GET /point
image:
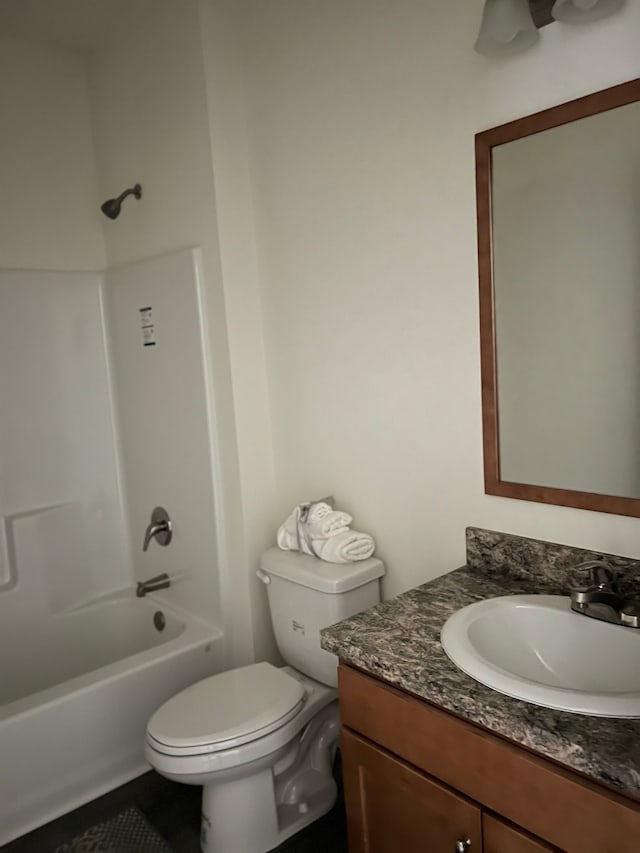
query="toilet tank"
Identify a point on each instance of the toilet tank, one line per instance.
(307, 594)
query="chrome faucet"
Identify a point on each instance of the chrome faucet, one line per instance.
(601, 575)
(600, 598)
(158, 582)
(159, 528)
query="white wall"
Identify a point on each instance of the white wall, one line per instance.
(239, 266)
(360, 121)
(151, 125)
(49, 216)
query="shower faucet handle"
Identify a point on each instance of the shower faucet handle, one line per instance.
(159, 528)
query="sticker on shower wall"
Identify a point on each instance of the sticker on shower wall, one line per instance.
(147, 327)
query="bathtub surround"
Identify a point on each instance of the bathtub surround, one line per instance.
(164, 428)
(399, 641)
(49, 551)
(99, 428)
(60, 496)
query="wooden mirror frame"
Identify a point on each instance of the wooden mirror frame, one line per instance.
(599, 102)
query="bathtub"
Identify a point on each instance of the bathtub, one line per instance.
(75, 699)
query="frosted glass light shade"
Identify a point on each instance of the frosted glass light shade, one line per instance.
(507, 27)
(579, 11)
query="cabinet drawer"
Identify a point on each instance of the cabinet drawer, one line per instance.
(555, 804)
(391, 807)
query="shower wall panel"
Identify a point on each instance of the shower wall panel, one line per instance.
(158, 338)
(58, 462)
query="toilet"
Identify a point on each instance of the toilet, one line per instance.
(261, 739)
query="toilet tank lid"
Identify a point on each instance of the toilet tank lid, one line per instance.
(313, 573)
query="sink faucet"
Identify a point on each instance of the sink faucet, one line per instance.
(158, 582)
(601, 575)
(600, 598)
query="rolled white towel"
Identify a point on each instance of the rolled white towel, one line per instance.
(294, 535)
(288, 538)
(287, 541)
(346, 547)
(305, 543)
(323, 521)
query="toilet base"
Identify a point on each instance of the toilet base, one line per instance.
(293, 818)
(255, 813)
(239, 815)
(242, 816)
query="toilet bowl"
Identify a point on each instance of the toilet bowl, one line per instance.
(261, 781)
(261, 739)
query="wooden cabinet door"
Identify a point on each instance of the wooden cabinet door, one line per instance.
(500, 837)
(392, 808)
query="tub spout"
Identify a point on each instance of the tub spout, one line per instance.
(158, 582)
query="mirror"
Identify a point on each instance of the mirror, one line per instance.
(558, 202)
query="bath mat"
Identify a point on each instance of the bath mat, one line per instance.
(127, 832)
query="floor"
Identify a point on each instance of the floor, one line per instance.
(174, 810)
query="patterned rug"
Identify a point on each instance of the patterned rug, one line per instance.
(127, 832)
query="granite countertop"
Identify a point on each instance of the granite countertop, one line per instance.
(398, 641)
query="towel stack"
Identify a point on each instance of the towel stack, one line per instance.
(315, 528)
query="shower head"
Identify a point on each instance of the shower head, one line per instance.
(111, 207)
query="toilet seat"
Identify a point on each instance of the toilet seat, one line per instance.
(225, 711)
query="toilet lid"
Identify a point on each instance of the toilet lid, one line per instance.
(226, 710)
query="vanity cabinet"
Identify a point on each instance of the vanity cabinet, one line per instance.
(418, 778)
(393, 807)
(500, 837)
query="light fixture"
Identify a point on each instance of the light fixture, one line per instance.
(579, 11)
(507, 27)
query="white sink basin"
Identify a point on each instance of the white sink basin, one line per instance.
(534, 647)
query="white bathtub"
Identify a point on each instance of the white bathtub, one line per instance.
(75, 700)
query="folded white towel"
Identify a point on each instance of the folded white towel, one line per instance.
(293, 535)
(318, 530)
(323, 521)
(346, 547)
(288, 532)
